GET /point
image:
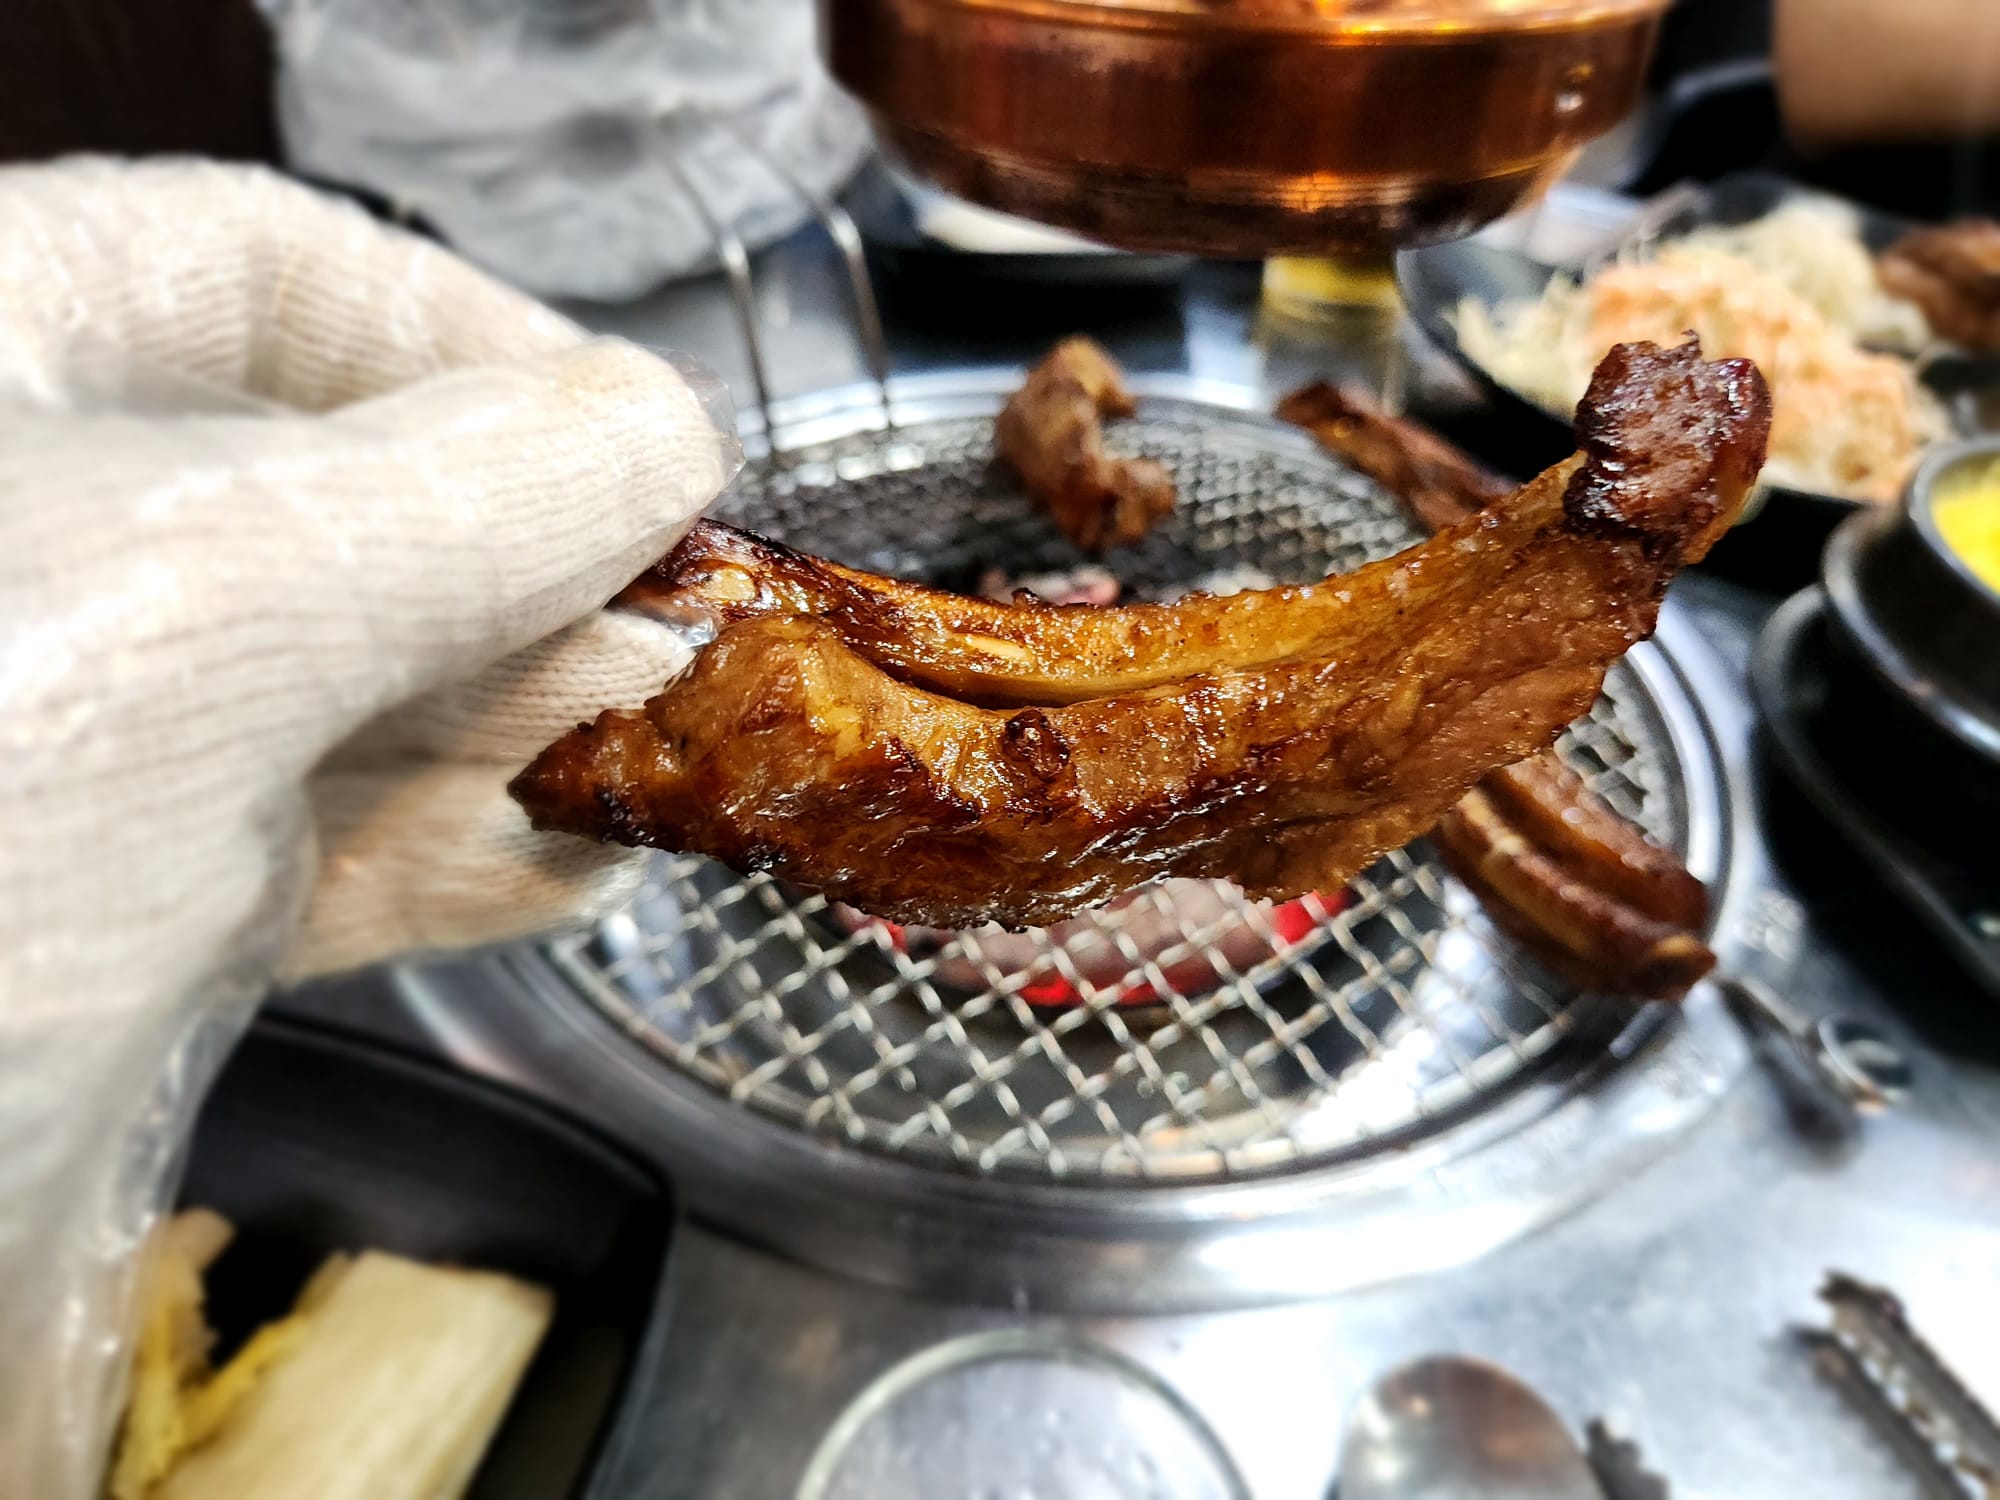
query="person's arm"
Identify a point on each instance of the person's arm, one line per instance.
(1854, 71)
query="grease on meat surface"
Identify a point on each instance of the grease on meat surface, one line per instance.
(947, 786)
(1167, 937)
(1025, 652)
(1052, 433)
(1552, 864)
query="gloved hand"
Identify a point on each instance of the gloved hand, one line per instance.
(304, 527)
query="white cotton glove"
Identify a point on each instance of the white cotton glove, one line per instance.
(304, 527)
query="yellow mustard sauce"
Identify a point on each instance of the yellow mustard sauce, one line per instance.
(1967, 511)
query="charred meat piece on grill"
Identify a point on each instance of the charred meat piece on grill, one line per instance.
(1952, 272)
(1052, 433)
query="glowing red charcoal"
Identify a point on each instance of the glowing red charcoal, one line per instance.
(1194, 933)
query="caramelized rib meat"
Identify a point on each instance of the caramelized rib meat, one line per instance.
(1952, 272)
(1552, 864)
(1558, 901)
(1052, 432)
(1031, 652)
(783, 749)
(1436, 482)
(1710, 444)
(1550, 807)
(804, 745)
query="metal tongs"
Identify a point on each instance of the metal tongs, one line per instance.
(1839, 1060)
(1906, 1392)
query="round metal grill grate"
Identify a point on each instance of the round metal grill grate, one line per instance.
(1214, 1037)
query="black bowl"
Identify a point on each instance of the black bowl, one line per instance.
(1903, 794)
(315, 1140)
(1905, 605)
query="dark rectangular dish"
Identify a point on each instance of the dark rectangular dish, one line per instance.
(316, 1140)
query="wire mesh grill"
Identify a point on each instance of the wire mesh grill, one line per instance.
(1208, 1036)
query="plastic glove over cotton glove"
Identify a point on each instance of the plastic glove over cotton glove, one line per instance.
(304, 527)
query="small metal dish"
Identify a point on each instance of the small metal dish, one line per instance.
(1914, 611)
(1243, 127)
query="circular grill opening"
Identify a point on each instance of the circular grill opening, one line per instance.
(1211, 1037)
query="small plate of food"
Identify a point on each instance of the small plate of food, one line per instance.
(386, 1279)
(1872, 332)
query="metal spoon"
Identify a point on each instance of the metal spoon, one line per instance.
(1448, 1428)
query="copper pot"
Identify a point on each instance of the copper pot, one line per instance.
(1244, 127)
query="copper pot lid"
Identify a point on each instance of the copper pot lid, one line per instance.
(1341, 16)
(1244, 127)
